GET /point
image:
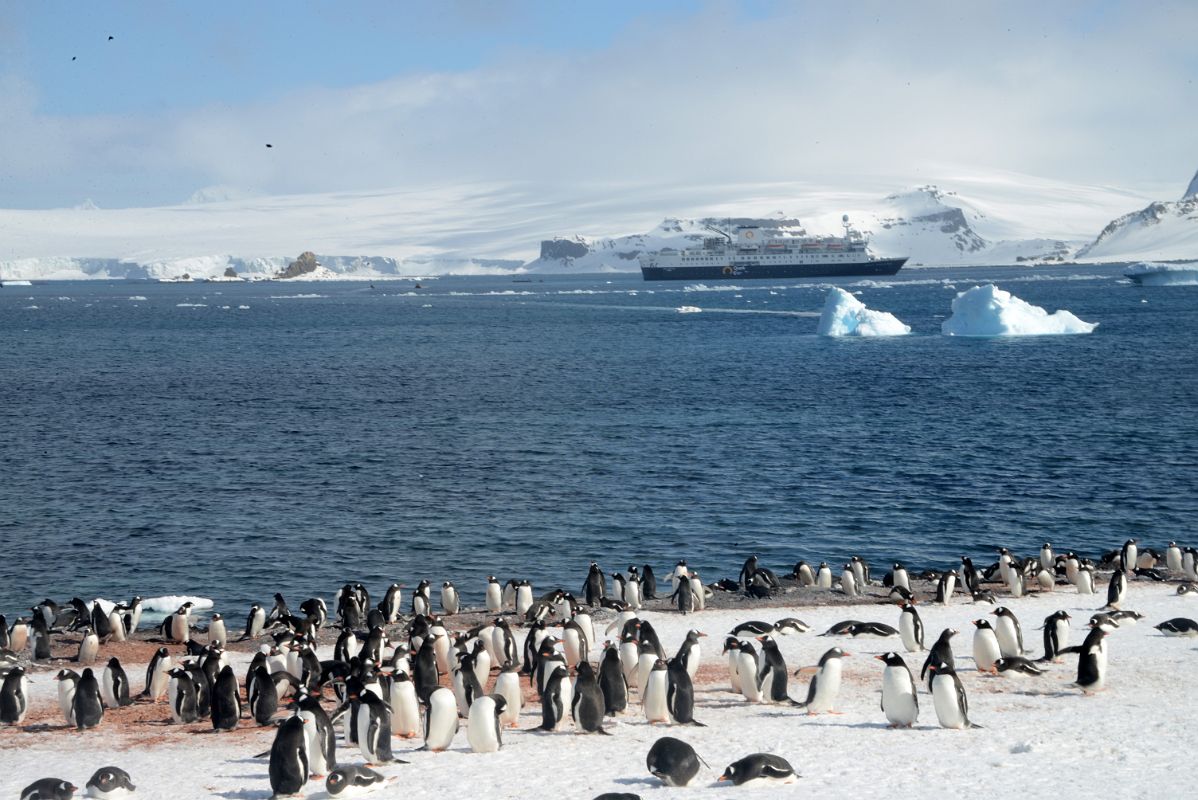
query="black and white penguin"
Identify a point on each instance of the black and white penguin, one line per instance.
(14, 697)
(255, 622)
(969, 575)
(772, 672)
(842, 628)
(899, 577)
(684, 596)
(49, 789)
(1116, 590)
(911, 628)
(1018, 666)
(156, 674)
(748, 671)
(217, 634)
(672, 761)
(789, 625)
(374, 729)
(986, 649)
(879, 629)
(226, 702)
(824, 688)
(262, 695)
(1056, 635)
(1178, 626)
(848, 581)
(680, 694)
(181, 696)
(67, 681)
(941, 653)
(945, 585)
(689, 653)
(1129, 555)
(109, 783)
(289, 758)
(556, 699)
(589, 704)
(89, 647)
(177, 627)
(594, 588)
(759, 769)
(654, 688)
(648, 583)
(345, 781)
(1173, 558)
(823, 576)
(450, 601)
(753, 626)
(39, 636)
(88, 705)
(319, 736)
(1092, 661)
(440, 720)
(948, 698)
(803, 573)
(900, 701)
(1009, 633)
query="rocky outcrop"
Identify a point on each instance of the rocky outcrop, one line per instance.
(564, 248)
(301, 266)
(1192, 190)
(230, 272)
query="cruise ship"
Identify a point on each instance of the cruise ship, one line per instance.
(750, 254)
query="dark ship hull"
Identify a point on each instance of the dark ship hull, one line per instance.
(753, 271)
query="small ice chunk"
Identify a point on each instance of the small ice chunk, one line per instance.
(689, 309)
(989, 311)
(169, 604)
(845, 315)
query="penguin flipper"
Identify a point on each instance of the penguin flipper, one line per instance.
(696, 723)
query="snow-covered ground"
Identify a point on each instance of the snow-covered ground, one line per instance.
(1040, 737)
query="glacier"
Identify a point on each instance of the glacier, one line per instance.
(1148, 273)
(989, 311)
(845, 315)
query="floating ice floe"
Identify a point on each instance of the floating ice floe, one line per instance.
(989, 311)
(137, 297)
(1149, 273)
(845, 315)
(689, 309)
(169, 604)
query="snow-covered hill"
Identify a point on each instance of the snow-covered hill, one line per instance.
(1162, 231)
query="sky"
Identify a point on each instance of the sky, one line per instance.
(364, 96)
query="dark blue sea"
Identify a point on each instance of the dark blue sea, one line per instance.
(231, 440)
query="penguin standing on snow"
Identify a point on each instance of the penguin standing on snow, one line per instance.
(1116, 590)
(88, 706)
(1010, 635)
(986, 650)
(689, 653)
(1091, 665)
(1056, 635)
(772, 674)
(67, 681)
(941, 653)
(900, 701)
(911, 628)
(612, 681)
(14, 697)
(181, 696)
(556, 699)
(319, 737)
(588, 704)
(1129, 556)
(680, 694)
(748, 670)
(824, 688)
(289, 758)
(483, 729)
(594, 589)
(654, 700)
(948, 698)
(156, 674)
(440, 719)
(374, 729)
(226, 702)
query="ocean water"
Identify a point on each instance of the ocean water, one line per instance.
(229, 440)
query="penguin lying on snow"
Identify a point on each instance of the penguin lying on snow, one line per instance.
(109, 783)
(759, 769)
(48, 789)
(672, 761)
(345, 779)
(1017, 665)
(1178, 626)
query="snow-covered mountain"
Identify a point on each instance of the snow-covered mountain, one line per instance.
(1162, 231)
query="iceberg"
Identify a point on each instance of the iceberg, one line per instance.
(1149, 273)
(989, 311)
(169, 604)
(845, 315)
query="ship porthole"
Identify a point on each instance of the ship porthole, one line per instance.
(727, 270)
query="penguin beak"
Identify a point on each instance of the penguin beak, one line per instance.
(845, 655)
(879, 658)
(721, 779)
(703, 635)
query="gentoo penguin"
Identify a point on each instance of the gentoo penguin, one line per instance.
(941, 653)
(699, 591)
(594, 587)
(753, 626)
(684, 596)
(900, 701)
(181, 696)
(899, 577)
(507, 685)
(1046, 580)
(39, 637)
(494, 595)
(374, 729)
(440, 720)
(672, 761)
(654, 701)
(948, 698)
(88, 706)
(262, 696)
(108, 783)
(405, 707)
(588, 706)
(48, 789)
(449, 599)
(133, 615)
(556, 699)
(841, 628)
(945, 585)
(689, 653)
(89, 647)
(289, 758)
(344, 781)
(1084, 581)
(67, 681)
(879, 629)
(1173, 557)
(911, 628)
(523, 598)
(1187, 590)
(1018, 666)
(1178, 626)
(648, 583)
(255, 622)
(772, 673)
(19, 633)
(421, 602)
(1129, 556)
(789, 625)
(823, 576)
(1116, 590)
(612, 681)
(825, 683)
(392, 603)
(216, 631)
(969, 575)
(1008, 631)
(618, 585)
(177, 627)
(748, 672)
(226, 702)
(848, 581)
(680, 694)
(632, 590)
(1056, 635)
(1091, 665)
(319, 737)
(1047, 559)
(759, 769)
(803, 573)
(986, 649)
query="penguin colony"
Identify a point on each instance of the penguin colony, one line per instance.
(411, 676)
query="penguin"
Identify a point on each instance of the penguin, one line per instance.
(156, 674)
(177, 627)
(945, 586)
(1178, 626)
(1045, 579)
(1009, 633)
(108, 783)
(1173, 558)
(848, 581)
(911, 628)
(654, 701)
(753, 626)
(618, 585)
(789, 625)
(941, 653)
(133, 615)
(680, 694)
(262, 696)
(344, 780)
(181, 696)
(101, 622)
(1091, 665)
(449, 599)
(440, 720)
(879, 629)
(1129, 556)
(632, 589)
(216, 631)
(374, 729)
(67, 681)
(507, 685)
(986, 648)
(612, 681)
(39, 637)
(1018, 666)
(699, 591)
(672, 761)
(841, 628)
(88, 708)
(1117, 588)
(574, 643)
(825, 683)
(772, 673)
(226, 703)
(630, 657)
(255, 622)
(588, 704)
(823, 576)
(648, 583)
(948, 698)
(320, 740)
(1056, 635)
(556, 699)
(593, 589)
(48, 789)
(900, 701)
(494, 595)
(289, 758)
(523, 598)
(1084, 581)
(392, 603)
(405, 706)
(689, 653)
(748, 672)
(759, 769)
(969, 575)
(1047, 559)
(684, 596)
(900, 578)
